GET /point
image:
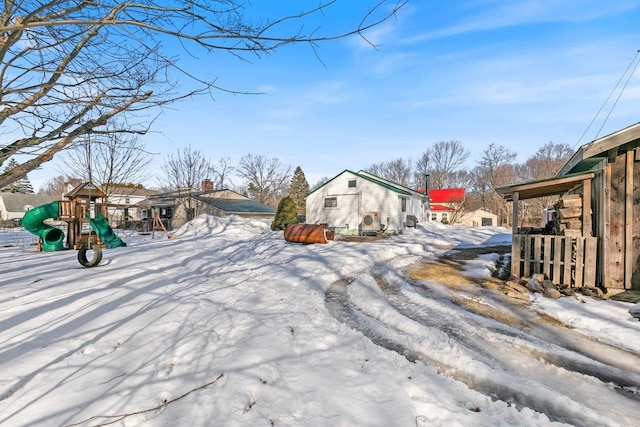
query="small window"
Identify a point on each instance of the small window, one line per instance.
(403, 204)
(444, 216)
(331, 202)
(434, 216)
(351, 183)
(127, 200)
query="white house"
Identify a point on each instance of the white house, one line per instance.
(126, 202)
(13, 206)
(360, 203)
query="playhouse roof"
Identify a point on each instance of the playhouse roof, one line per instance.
(85, 189)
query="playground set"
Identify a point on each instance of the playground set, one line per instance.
(88, 230)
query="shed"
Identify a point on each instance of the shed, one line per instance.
(478, 218)
(604, 175)
(361, 203)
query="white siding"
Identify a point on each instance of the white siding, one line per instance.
(353, 202)
(347, 210)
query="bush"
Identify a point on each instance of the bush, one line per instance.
(285, 214)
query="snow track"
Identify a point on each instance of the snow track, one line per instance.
(323, 335)
(530, 363)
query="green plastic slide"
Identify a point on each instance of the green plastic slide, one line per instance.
(105, 233)
(33, 222)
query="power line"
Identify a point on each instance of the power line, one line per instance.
(634, 60)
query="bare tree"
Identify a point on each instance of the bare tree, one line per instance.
(184, 172)
(446, 158)
(443, 163)
(422, 168)
(397, 170)
(109, 160)
(545, 163)
(548, 160)
(220, 172)
(58, 186)
(322, 181)
(267, 179)
(69, 68)
(495, 168)
(460, 179)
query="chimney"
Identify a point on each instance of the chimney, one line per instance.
(207, 185)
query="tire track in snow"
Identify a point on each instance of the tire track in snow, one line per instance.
(518, 366)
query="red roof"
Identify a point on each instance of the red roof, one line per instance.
(447, 195)
(441, 208)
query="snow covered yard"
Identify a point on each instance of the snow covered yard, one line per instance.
(227, 324)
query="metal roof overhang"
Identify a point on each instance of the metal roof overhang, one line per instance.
(590, 154)
(545, 187)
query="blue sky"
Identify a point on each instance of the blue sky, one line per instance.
(513, 73)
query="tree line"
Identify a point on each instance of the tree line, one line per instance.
(445, 165)
(112, 163)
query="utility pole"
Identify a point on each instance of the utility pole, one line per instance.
(427, 202)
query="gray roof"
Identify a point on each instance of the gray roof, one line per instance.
(231, 206)
(16, 202)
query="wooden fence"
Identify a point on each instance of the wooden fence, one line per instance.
(562, 259)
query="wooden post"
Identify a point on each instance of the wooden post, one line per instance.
(157, 221)
(516, 247)
(606, 236)
(516, 207)
(546, 241)
(586, 209)
(628, 220)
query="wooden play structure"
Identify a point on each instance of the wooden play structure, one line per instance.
(88, 230)
(77, 212)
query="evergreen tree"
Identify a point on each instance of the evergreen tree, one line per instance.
(285, 214)
(298, 190)
(23, 185)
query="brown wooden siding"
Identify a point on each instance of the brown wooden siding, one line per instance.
(635, 275)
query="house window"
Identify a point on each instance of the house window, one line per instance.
(331, 202)
(444, 217)
(434, 216)
(351, 183)
(127, 201)
(403, 204)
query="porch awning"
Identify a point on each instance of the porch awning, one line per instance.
(544, 187)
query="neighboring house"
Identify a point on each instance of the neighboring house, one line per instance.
(478, 218)
(360, 203)
(171, 207)
(599, 189)
(445, 205)
(127, 203)
(13, 206)
(227, 202)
